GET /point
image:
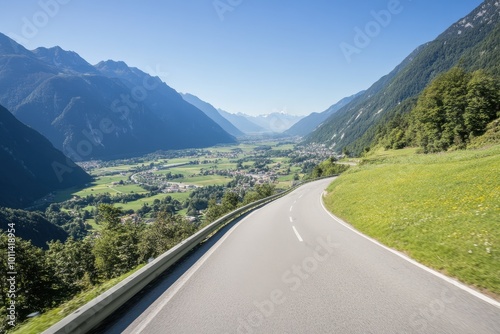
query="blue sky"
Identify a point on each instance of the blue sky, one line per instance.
(250, 56)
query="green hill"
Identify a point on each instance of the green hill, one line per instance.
(32, 226)
(454, 110)
(441, 209)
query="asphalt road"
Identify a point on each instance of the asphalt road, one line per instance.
(290, 267)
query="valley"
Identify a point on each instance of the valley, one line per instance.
(139, 185)
(205, 159)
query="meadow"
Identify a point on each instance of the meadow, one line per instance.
(441, 209)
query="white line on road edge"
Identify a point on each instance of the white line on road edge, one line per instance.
(418, 264)
(297, 234)
(172, 291)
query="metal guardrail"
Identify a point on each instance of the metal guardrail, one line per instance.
(97, 310)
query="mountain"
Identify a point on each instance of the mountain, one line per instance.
(32, 226)
(66, 61)
(103, 111)
(307, 125)
(213, 113)
(242, 123)
(31, 167)
(472, 42)
(277, 122)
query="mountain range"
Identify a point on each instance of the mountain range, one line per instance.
(471, 43)
(31, 167)
(241, 124)
(213, 113)
(309, 123)
(276, 122)
(103, 111)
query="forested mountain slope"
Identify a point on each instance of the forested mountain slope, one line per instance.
(472, 42)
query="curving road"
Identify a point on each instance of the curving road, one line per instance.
(290, 267)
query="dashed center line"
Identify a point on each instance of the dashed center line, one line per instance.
(297, 234)
(291, 220)
(291, 208)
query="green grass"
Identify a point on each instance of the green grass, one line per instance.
(286, 178)
(441, 209)
(51, 317)
(95, 190)
(135, 205)
(283, 185)
(110, 179)
(95, 226)
(205, 180)
(66, 194)
(179, 161)
(128, 188)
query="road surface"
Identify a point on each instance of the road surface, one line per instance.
(290, 267)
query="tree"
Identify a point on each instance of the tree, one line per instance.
(33, 282)
(455, 107)
(483, 103)
(109, 216)
(116, 247)
(265, 190)
(214, 211)
(166, 232)
(73, 264)
(230, 201)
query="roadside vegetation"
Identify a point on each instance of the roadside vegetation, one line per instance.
(455, 110)
(429, 186)
(102, 233)
(47, 278)
(441, 209)
(177, 182)
(328, 167)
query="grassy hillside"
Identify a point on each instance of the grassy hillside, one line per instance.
(441, 209)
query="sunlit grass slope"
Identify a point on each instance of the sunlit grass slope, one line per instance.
(441, 209)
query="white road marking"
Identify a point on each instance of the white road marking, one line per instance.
(291, 208)
(421, 266)
(297, 234)
(185, 278)
(291, 220)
